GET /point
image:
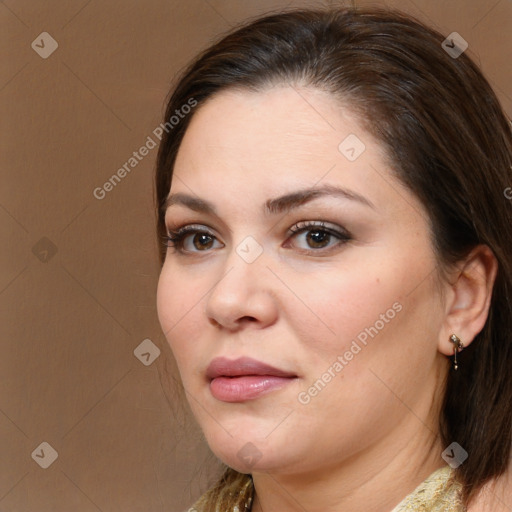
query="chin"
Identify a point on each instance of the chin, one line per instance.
(246, 453)
(249, 458)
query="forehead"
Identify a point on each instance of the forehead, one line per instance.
(243, 146)
(274, 129)
(278, 125)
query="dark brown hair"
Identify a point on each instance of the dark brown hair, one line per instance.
(447, 140)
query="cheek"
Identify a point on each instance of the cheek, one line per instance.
(377, 322)
(342, 305)
(166, 301)
(178, 304)
(383, 304)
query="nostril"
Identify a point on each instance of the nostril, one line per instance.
(247, 319)
(214, 322)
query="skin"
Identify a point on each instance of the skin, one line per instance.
(495, 496)
(370, 436)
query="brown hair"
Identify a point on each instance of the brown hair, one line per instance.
(447, 140)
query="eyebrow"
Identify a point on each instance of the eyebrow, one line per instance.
(274, 206)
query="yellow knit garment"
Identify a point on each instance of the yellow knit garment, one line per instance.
(440, 492)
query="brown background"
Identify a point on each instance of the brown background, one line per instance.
(71, 319)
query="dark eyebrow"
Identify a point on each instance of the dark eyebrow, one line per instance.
(274, 206)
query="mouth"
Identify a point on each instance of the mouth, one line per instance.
(244, 379)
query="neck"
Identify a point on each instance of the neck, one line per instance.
(495, 496)
(375, 480)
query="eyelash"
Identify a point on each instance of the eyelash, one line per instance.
(175, 239)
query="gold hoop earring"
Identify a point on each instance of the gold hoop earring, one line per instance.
(457, 347)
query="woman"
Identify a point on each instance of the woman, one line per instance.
(336, 274)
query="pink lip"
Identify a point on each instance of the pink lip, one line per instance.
(244, 378)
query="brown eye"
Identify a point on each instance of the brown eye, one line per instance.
(319, 236)
(201, 240)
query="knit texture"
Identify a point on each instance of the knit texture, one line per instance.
(440, 492)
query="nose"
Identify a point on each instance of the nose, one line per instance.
(244, 295)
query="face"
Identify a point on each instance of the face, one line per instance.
(331, 294)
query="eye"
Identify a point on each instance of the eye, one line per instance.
(196, 238)
(319, 235)
(186, 238)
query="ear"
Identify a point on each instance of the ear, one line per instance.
(468, 297)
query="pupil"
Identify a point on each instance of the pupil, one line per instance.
(202, 238)
(318, 237)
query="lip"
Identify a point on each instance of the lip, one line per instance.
(238, 380)
(224, 367)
